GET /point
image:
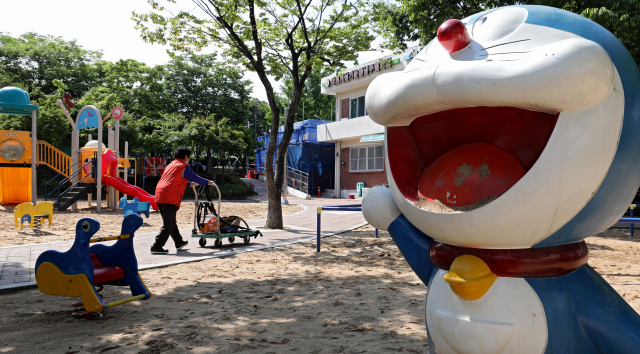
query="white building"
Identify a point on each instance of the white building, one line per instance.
(358, 140)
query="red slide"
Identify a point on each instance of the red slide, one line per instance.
(109, 166)
(126, 188)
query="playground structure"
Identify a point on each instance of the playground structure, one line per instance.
(81, 169)
(17, 156)
(34, 215)
(134, 207)
(207, 222)
(15, 152)
(83, 271)
(109, 174)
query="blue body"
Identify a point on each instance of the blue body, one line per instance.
(584, 313)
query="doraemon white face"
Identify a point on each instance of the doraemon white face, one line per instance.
(526, 114)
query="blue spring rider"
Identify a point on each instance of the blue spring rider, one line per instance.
(134, 207)
(81, 269)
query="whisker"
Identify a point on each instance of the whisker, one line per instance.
(505, 53)
(497, 45)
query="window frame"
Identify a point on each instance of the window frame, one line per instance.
(366, 158)
(357, 106)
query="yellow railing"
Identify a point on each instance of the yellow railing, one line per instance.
(50, 156)
(123, 164)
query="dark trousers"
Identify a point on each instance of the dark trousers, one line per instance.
(169, 226)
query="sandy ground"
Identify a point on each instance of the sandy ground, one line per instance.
(64, 222)
(356, 296)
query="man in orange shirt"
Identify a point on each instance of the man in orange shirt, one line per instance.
(169, 192)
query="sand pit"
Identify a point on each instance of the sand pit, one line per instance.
(64, 222)
(358, 295)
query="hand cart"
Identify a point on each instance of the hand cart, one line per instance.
(207, 223)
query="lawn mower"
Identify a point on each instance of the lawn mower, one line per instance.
(207, 223)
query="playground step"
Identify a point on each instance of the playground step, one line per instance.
(75, 193)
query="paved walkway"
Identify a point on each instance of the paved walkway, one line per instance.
(17, 263)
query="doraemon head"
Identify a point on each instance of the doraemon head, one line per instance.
(522, 123)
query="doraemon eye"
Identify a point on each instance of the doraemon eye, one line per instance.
(498, 24)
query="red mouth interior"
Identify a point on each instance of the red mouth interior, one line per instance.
(470, 153)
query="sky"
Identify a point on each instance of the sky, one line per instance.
(104, 25)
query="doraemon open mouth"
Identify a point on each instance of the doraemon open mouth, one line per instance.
(466, 157)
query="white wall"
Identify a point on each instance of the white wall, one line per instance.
(348, 129)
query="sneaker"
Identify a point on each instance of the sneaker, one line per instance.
(182, 245)
(158, 250)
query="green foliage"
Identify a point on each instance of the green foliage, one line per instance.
(620, 17)
(307, 32)
(316, 105)
(262, 113)
(33, 62)
(218, 135)
(420, 19)
(232, 187)
(199, 84)
(159, 102)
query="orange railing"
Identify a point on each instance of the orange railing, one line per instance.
(50, 156)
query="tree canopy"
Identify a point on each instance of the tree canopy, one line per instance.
(414, 20)
(34, 61)
(164, 105)
(273, 38)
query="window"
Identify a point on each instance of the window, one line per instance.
(368, 158)
(357, 107)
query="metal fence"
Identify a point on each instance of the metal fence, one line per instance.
(297, 179)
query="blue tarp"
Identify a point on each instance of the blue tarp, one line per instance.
(305, 153)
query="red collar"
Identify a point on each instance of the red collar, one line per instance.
(543, 262)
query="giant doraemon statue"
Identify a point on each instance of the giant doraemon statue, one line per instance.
(510, 139)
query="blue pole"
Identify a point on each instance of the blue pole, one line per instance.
(319, 210)
(376, 233)
(631, 215)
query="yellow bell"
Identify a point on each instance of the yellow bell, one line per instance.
(469, 277)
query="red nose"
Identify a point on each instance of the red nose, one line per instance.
(453, 35)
